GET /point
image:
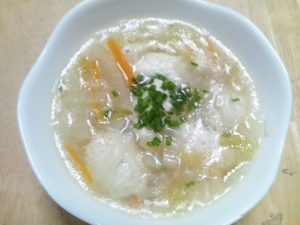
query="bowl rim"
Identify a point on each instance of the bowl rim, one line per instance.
(69, 18)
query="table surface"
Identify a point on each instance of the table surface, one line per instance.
(25, 26)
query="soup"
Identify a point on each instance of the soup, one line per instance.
(156, 117)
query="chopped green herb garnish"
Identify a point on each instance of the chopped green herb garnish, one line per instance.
(168, 141)
(115, 93)
(189, 184)
(150, 102)
(140, 78)
(194, 64)
(174, 123)
(168, 85)
(235, 99)
(155, 142)
(60, 88)
(136, 91)
(107, 113)
(183, 119)
(205, 91)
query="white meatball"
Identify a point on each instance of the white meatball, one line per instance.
(113, 161)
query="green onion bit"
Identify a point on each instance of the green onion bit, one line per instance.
(155, 142)
(107, 113)
(194, 64)
(168, 141)
(115, 93)
(150, 99)
(192, 183)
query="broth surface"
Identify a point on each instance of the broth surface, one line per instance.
(198, 145)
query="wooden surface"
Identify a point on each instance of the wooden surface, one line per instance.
(25, 26)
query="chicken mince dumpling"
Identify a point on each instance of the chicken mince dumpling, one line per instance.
(115, 165)
(156, 118)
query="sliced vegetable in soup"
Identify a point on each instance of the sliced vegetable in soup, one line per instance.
(156, 117)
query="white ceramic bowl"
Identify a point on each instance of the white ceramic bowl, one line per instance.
(268, 73)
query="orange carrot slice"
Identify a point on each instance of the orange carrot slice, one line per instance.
(121, 60)
(86, 174)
